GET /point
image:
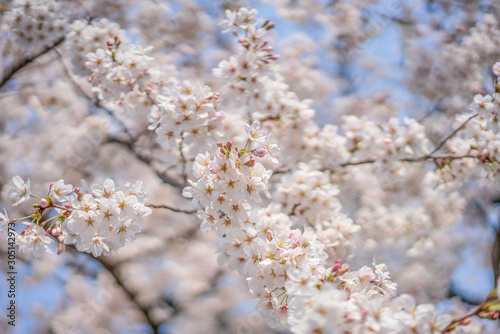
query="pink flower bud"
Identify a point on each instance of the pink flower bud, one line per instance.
(56, 231)
(269, 235)
(260, 152)
(342, 271)
(337, 265)
(44, 203)
(60, 248)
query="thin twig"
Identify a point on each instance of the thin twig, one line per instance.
(442, 142)
(161, 206)
(418, 159)
(427, 156)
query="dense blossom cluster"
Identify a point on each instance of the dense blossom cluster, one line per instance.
(229, 182)
(186, 119)
(36, 23)
(97, 222)
(309, 196)
(84, 38)
(286, 268)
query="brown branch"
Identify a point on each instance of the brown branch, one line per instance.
(481, 311)
(148, 161)
(113, 270)
(161, 206)
(428, 156)
(456, 322)
(10, 72)
(418, 159)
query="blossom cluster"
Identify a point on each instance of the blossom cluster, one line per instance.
(100, 221)
(103, 220)
(229, 182)
(121, 77)
(287, 271)
(312, 200)
(190, 115)
(84, 38)
(333, 310)
(246, 72)
(36, 23)
(264, 251)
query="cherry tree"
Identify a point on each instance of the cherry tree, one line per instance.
(249, 166)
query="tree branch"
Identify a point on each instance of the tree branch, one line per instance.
(442, 142)
(161, 206)
(133, 296)
(148, 160)
(487, 310)
(428, 156)
(10, 72)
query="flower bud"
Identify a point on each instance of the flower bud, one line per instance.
(337, 265)
(44, 203)
(56, 231)
(260, 152)
(60, 248)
